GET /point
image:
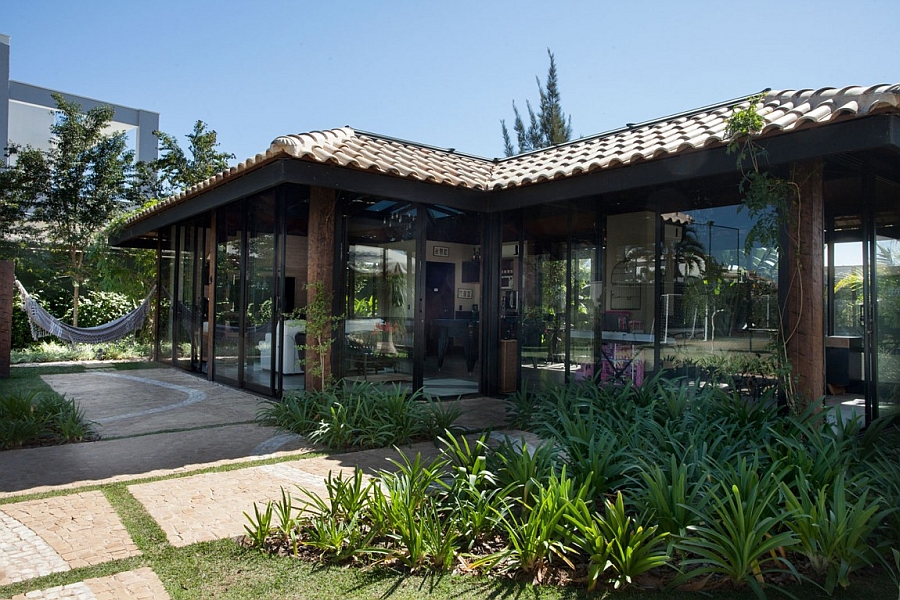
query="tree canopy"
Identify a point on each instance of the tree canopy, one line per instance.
(68, 193)
(548, 127)
(174, 170)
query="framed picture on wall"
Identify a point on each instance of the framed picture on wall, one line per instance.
(441, 251)
(464, 293)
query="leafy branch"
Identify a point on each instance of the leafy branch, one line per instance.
(767, 198)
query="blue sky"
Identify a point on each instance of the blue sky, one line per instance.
(440, 73)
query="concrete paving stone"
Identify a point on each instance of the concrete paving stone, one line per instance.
(124, 403)
(211, 506)
(140, 583)
(80, 530)
(207, 506)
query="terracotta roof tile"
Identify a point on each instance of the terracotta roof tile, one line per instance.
(783, 111)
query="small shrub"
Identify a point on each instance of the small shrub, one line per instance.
(741, 531)
(40, 419)
(832, 530)
(359, 415)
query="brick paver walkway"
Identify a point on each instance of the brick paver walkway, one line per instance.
(140, 584)
(58, 534)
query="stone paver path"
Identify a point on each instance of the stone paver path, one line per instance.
(58, 534)
(140, 584)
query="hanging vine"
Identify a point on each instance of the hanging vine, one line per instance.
(768, 199)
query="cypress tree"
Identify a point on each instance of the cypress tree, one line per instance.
(549, 126)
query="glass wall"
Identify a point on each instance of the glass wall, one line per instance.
(720, 298)
(544, 295)
(229, 298)
(190, 305)
(627, 324)
(453, 301)
(260, 284)
(377, 340)
(589, 297)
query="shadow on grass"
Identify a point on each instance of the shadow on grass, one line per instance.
(457, 586)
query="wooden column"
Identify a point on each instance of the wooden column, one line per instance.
(804, 319)
(7, 287)
(320, 261)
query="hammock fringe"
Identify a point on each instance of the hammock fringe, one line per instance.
(44, 324)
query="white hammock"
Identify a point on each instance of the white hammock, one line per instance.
(44, 324)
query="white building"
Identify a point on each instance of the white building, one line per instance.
(26, 113)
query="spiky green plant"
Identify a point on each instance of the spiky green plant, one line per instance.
(832, 529)
(740, 534)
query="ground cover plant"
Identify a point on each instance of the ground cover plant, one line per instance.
(37, 419)
(359, 415)
(668, 486)
(33, 414)
(52, 350)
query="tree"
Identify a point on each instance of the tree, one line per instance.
(75, 187)
(548, 127)
(174, 171)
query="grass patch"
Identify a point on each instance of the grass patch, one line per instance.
(144, 531)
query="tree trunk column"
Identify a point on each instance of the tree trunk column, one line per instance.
(7, 285)
(804, 319)
(320, 257)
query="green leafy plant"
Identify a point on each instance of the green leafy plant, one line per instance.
(359, 415)
(347, 498)
(286, 528)
(667, 494)
(260, 525)
(832, 530)
(739, 533)
(588, 536)
(37, 419)
(537, 536)
(521, 469)
(632, 547)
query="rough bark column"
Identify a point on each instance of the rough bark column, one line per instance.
(320, 257)
(804, 319)
(7, 285)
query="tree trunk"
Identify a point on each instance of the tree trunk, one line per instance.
(322, 214)
(804, 321)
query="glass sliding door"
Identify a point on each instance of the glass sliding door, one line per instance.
(294, 249)
(544, 296)
(862, 346)
(378, 338)
(260, 286)
(585, 290)
(190, 305)
(886, 263)
(229, 296)
(453, 301)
